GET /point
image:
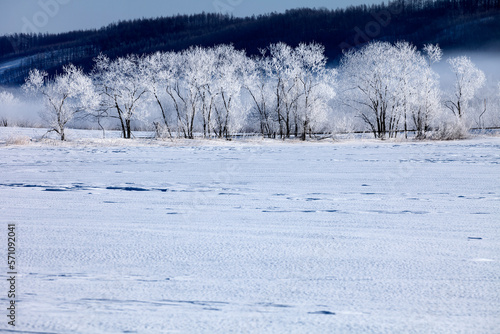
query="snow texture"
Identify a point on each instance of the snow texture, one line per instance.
(255, 237)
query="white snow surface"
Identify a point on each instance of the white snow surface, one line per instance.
(254, 237)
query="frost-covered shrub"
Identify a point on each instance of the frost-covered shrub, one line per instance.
(162, 131)
(344, 125)
(18, 112)
(7, 100)
(18, 140)
(451, 129)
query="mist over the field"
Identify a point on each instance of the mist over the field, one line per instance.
(18, 109)
(489, 94)
(488, 62)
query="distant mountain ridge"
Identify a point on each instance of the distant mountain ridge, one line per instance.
(464, 24)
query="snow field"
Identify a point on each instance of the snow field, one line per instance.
(248, 237)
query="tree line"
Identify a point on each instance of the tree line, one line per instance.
(285, 92)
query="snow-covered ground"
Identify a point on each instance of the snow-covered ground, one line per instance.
(261, 237)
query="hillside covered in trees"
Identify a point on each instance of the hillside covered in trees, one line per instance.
(464, 24)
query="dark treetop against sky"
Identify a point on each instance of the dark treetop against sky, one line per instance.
(55, 16)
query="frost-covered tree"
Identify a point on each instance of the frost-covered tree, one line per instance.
(369, 83)
(434, 53)
(198, 73)
(484, 109)
(428, 99)
(291, 89)
(227, 83)
(468, 80)
(122, 86)
(315, 87)
(160, 73)
(406, 68)
(207, 93)
(202, 86)
(282, 69)
(256, 82)
(390, 85)
(193, 75)
(64, 95)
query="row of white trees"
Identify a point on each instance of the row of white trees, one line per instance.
(286, 92)
(394, 87)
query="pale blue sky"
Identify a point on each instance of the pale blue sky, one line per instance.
(65, 15)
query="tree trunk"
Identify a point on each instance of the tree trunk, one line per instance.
(303, 137)
(124, 132)
(406, 127)
(165, 120)
(128, 128)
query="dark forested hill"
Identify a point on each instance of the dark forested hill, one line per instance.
(465, 24)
